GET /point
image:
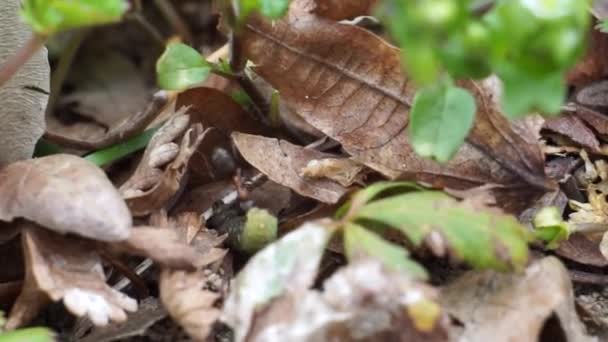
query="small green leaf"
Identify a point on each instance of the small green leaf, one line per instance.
(550, 227)
(440, 120)
(116, 152)
(181, 67)
(37, 334)
(260, 229)
(51, 16)
(482, 239)
(273, 9)
(361, 243)
(363, 196)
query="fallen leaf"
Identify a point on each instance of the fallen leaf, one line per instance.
(66, 194)
(349, 84)
(60, 268)
(361, 302)
(593, 66)
(149, 312)
(342, 170)
(282, 161)
(343, 9)
(160, 173)
(583, 250)
(24, 96)
(290, 264)
(489, 305)
(575, 129)
(595, 119)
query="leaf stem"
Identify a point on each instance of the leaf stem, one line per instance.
(111, 154)
(16, 61)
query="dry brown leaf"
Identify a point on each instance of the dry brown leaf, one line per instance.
(593, 118)
(575, 129)
(282, 161)
(342, 170)
(361, 302)
(349, 84)
(583, 250)
(513, 307)
(343, 9)
(592, 66)
(66, 194)
(60, 268)
(188, 302)
(23, 97)
(160, 173)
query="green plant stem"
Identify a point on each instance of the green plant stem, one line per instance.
(15, 62)
(63, 66)
(119, 151)
(174, 19)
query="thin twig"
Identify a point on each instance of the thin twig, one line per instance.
(24, 54)
(129, 128)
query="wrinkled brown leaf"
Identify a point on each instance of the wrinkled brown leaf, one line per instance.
(60, 268)
(575, 129)
(513, 307)
(361, 302)
(66, 194)
(343, 9)
(592, 66)
(22, 111)
(583, 250)
(349, 84)
(160, 173)
(282, 161)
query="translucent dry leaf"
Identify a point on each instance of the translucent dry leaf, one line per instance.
(66, 194)
(25, 96)
(342, 170)
(61, 268)
(160, 173)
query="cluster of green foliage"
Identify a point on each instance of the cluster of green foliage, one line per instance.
(528, 44)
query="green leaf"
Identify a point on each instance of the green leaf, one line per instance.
(480, 238)
(273, 8)
(363, 196)
(524, 92)
(361, 243)
(440, 120)
(550, 227)
(51, 16)
(181, 67)
(113, 153)
(29, 334)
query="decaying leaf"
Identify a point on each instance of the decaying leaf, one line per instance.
(288, 265)
(513, 307)
(574, 128)
(282, 161)
(349, 84)
(342, 170)
(190, 296)
(66, 194)
(24, 97)
(343, 9)
(582, 249)
(60, 268)
(160, 173)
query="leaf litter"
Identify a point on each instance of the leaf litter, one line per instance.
(373, 241)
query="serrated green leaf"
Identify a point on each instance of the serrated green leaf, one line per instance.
(369, 193)
(361, 243)
(51, 16)
(181, 67)
(482, 239)
(37, 334)
(440, 120)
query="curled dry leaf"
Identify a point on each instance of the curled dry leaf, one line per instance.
(342, 170)
(491, 304)
(24, 97)
(575, 129)
(60, 268)
(189, 297)
(66, 194)
(160, 173)
(349, 84)
(282, 161)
